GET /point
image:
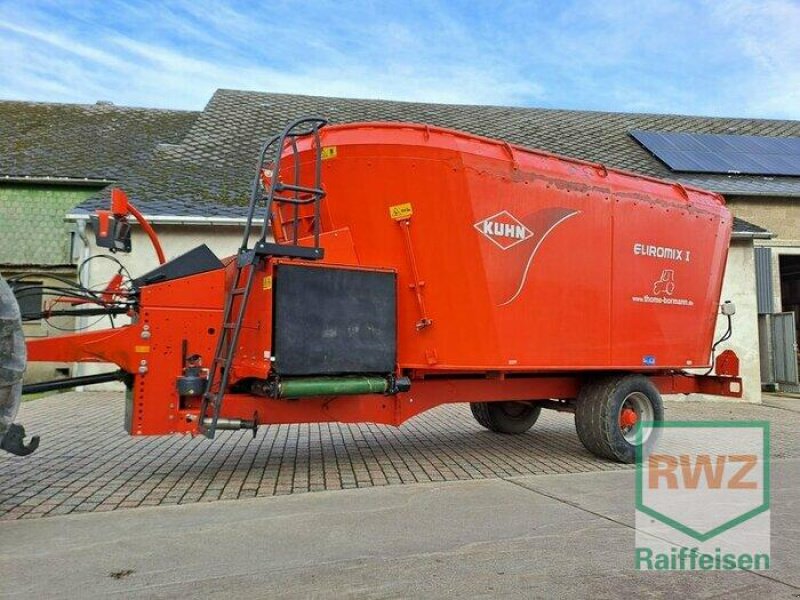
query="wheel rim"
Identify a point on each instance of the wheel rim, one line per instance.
(634, 409)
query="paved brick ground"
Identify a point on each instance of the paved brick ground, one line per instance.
(87, 462)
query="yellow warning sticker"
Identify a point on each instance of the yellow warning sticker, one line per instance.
(268, 282)
(400, 212)
(328, 152)
(141, 349)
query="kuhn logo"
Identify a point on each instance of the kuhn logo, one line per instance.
(504, 230)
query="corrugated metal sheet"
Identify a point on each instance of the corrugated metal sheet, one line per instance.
(764, 294)
(785, 349)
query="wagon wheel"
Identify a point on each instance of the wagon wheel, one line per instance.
(609, 413)
(506, 417)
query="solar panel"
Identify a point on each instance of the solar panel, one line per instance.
(714, 153)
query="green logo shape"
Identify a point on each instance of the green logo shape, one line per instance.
(730, 524)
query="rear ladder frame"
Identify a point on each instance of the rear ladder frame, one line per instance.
(269, 192)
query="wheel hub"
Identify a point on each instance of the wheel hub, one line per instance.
(628, 418)
(634, 410)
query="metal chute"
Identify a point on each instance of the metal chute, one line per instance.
(12, 367)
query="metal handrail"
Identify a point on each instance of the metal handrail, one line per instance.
(272, 195)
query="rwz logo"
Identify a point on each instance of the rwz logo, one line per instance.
(692, 472)
(706, 480)
(702, 496)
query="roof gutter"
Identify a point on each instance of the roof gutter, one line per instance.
(752, 235)
(57, 180)
(780, 195)
(175, 219)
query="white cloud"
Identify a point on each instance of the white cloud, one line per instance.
(729, 58)
(766, 35)
(156, 73)
(60, 42)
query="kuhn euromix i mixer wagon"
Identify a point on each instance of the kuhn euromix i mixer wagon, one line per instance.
(390, 268)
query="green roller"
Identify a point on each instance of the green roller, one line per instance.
(332, 386)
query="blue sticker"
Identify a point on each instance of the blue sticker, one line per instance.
(649, 360)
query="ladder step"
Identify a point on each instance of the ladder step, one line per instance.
(238, 291)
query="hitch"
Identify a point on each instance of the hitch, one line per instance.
(13, 441)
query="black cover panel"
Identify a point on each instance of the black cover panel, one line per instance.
(329, 320)
(197, 260)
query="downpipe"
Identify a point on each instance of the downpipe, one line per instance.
(84, 277)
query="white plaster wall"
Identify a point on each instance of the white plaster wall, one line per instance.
(739, 286)
(175, 240)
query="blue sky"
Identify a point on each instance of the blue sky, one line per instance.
(723, 57)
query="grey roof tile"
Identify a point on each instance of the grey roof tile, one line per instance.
(207, 171)
(747, 229)
(77, 141)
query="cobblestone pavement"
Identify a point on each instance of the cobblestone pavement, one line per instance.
(86, 461)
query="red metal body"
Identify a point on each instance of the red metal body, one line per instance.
(520, 274)
(576, 284)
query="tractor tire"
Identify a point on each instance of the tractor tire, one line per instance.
(608, 410)
(506, 417)
(12, 358)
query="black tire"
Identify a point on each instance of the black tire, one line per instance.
(598, 412)
(506, 417)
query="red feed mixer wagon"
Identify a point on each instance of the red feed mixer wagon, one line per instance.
(388, 268)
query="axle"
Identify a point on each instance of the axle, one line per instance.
(72, 382)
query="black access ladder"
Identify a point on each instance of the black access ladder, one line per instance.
(295, 208)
